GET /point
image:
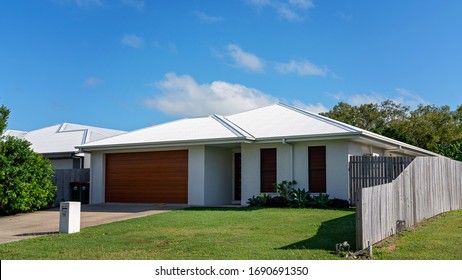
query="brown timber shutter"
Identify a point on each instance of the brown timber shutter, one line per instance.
(317, 169)
(267, 169)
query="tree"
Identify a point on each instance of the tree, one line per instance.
(429, 127)
(379, 118)
(4, 113)
(25, 176)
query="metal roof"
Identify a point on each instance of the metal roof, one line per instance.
(212, 128)
(271, 123)
(63, 138)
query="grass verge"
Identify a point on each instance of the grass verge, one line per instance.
(438, 238)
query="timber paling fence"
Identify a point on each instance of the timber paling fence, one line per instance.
(64, 177)
(427, 187)
(368, 171)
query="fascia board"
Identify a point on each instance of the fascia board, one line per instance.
(89, 148)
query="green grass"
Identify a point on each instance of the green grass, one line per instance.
(439, 238)
(200, 233)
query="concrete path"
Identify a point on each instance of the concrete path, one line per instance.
(44, 222)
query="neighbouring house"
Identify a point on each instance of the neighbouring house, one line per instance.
(57, 143)
(220, 160)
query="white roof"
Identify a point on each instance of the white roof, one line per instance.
(270, 123)
(15, 133)
(282, 121)
(62, 138)
(212, 128)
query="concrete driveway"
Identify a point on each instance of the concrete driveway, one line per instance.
(45, 222)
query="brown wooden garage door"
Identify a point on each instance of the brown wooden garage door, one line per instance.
(160, 177)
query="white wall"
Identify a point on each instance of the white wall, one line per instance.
(97, 178)
(359, 149)
(196, 175)
(87, 160)
(295, 157)
(67, 163)
(218, 176)
(336, 166)
(251, 167)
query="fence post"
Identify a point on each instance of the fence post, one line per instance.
(359, 220)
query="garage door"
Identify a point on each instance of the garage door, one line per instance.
(160, 177)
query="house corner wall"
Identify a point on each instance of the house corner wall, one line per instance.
(97, 178)
(218, 176)
(196, 175)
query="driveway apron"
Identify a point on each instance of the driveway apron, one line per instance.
(45, 222)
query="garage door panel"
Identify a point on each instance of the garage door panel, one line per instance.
(160, 177)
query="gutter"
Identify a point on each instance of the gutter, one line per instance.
(89, 148)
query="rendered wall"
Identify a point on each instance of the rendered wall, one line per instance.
(97, 178)
(218, 176)
(196, 177)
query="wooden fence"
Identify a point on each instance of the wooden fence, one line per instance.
(63, 178)
(368, 171)
(428, 187)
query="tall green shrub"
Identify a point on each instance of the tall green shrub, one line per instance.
(25, 178)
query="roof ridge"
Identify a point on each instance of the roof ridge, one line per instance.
(336, 123)
(235, 129)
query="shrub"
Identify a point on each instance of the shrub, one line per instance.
(300, 198)
(319, 201)
(278, 202)
(338, 203)
(285, 189)
(259, 201)
(25, 178)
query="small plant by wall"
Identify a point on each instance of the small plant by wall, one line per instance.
(287, 196)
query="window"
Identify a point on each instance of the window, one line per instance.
(267, 169)
(317, 169)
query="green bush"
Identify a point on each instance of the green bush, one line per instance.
(259, 201)
(285, 189)
(277, 202)
(25, 178)
(300, 198)
(338, 203)
(319, 201)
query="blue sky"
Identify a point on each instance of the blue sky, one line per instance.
(127, 64)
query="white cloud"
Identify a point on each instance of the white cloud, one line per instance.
(132, 41)
(209, 19)
(314, 108)
(302, 68)
(92, 82)
(245, 60)
(289, 10)
(410, 98)
(401, 96)
(136, 4)
(183, 96)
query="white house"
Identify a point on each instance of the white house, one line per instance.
(58, 142)
(222, 160)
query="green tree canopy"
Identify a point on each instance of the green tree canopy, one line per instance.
(430, 127)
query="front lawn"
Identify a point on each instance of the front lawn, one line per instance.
(201, 233)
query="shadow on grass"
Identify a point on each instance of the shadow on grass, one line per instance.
(329, 233)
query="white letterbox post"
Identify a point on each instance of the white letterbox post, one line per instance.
(69, 217)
